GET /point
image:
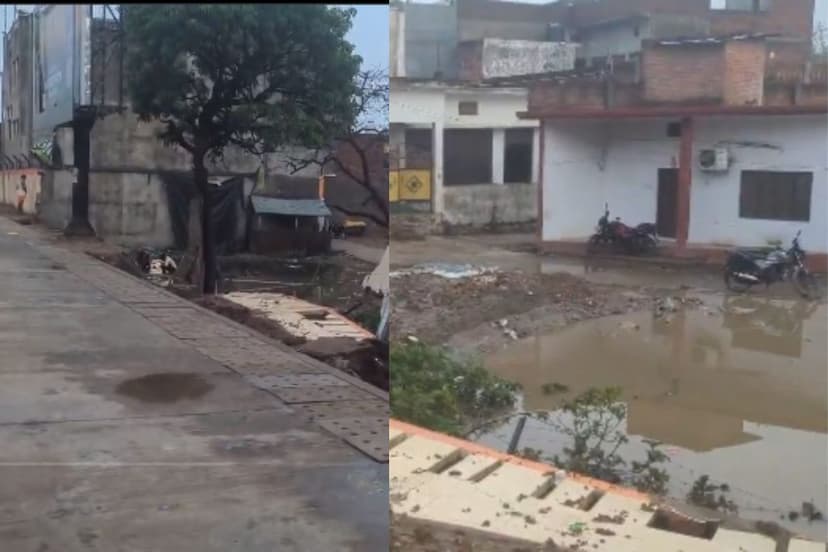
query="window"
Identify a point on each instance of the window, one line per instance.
(740, 5)
(417, 154)
(517, 162)
(467, 108)
(775, 195)
(467, 156)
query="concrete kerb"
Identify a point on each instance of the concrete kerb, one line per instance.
(474, 448)
(438, 478)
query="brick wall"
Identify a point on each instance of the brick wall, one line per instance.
(574, 93)
(744, 77)
(470, 60)
(683, 74)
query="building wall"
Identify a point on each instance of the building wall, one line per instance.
(479, 19)
(430, 43)
(490, 204)
(589, 163)
(744, 78)
(714, 206)
(791, 17)
(623, 38)
(497, 109)
(415, 106)
(17, 96)
(683, 74)
(437, 107)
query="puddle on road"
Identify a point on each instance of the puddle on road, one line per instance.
(165, 388)
(735, 389)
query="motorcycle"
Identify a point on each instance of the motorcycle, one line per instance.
(634, 241)
(746, 268)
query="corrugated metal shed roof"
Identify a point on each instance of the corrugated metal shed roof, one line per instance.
(293, 207)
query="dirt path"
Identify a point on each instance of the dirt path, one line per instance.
(482, 313)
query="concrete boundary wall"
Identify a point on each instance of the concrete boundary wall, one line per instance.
(489, 204)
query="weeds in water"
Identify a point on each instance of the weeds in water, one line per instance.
(648, 476)
(553, 388)
(596, 417)
(593, 421)
(432, 389)
(708, 494)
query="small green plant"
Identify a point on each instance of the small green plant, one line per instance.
(432, 389)
(647, 476)
(596, 417)
(593, 421)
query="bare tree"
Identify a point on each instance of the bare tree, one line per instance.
(820, 42)
(361, 142)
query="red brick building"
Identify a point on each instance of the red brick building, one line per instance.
(359, 163)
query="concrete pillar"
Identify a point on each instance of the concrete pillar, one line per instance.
(685, 177)
(397, 143)
(538, 165)
(536, 158)
(401, 44)
(437, 168)
(498, 154)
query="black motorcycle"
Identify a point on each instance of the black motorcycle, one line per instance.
(633, 241)
(746, 268)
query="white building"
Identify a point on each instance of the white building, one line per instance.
(483, 159)
(770, 183)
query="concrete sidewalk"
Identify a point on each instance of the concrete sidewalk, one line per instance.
(132, 420)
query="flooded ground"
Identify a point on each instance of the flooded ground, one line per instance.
(736, 389)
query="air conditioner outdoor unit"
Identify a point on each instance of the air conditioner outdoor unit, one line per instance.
(714, 160)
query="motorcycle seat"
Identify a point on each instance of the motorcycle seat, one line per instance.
(752, 254)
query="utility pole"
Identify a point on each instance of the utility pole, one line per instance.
(82, 124)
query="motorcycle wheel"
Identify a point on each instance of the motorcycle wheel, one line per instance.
(806, 284)
(648, 244)
(733, 284)
(594, 244)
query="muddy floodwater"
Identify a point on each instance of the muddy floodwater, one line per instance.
(735, 389)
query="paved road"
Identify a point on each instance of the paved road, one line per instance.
(133, 421)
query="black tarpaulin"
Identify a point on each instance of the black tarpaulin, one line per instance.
(227, 205)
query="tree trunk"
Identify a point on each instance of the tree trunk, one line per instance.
(193, 267)
(208, 246)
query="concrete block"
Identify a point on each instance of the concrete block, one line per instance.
(799, 545)
(613, 505)
(510, 481)
(568, 491)
(417, 454)
(471, 466)
(740, 541)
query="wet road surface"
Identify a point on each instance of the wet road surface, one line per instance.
(123, 429)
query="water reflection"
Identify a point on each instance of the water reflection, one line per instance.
(737, 387)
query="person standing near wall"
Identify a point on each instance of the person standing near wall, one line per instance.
(21, 193)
